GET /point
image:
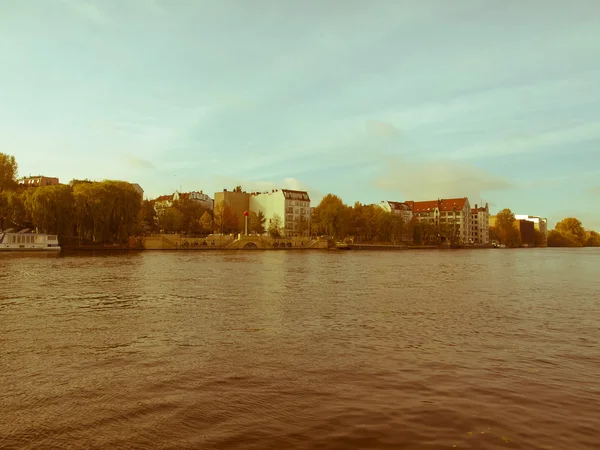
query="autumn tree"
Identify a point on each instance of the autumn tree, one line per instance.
(593, 239)
(8, 172)
(206, 222)
(225, 220)
(573, 229)
(506, 228)
(257, 222)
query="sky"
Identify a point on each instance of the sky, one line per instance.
(385, 100)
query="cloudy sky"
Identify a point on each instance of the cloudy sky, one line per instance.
(395, 100)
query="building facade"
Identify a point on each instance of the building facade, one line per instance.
(397, 208)
(36, 181)
(480, 225)
(452, 215)
(291, 207)
(195, 196)
(237, 201)
(539, 223)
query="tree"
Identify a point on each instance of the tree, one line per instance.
(558, 239)
(8, 172)
(149, 216)
(275, 226)
(257, 222)
(332, 216)
(171, 221)
(51, 209)
(225, 220)
(572, 228)
(593, 239)
(12, 210)
(238, 189)
(206, 222)
(506, 227)
(301, 226)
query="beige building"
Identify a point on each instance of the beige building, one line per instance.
(237, 201)
(398, 208)
(480, 225)
(453, 214)
(36, 181)
(292, 207)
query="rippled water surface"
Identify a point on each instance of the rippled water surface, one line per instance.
(487, 349)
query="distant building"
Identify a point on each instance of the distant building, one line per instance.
(36, 181)
(166, 201)
(138, 189)
(398, 208)
(527, 231)
(195, 196)
(480, 225)
(454, 213)
(539, 223)
(292, 207)
(237, 201)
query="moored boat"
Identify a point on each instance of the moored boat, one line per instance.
(25, 240)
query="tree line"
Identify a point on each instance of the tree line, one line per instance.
(111, 211)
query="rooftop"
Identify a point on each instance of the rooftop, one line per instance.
(448, 204)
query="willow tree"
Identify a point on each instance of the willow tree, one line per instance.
(107, 211)
(51, 209)
(12, 210)
(332, 216)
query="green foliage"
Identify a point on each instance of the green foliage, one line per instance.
(570, 232)
(8, 172)
(149, 217)
(172, 220)
(12, 210)
(51, 209)
(332, 217)
(257, 223)
(107, 211)
(275, 227)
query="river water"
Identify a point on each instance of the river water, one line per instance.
(486, 349)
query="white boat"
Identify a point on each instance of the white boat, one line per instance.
(24, 240)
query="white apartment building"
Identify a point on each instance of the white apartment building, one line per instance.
(398, 208)
(292, 207)
(453, 213)
(480, 225)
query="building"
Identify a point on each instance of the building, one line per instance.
(195, 196)
(527, 232)
(480, 225)
(166, 201)
(237, 201)
(398, 208)
(36, 181)
(452, 214)
(138, 189)
(292, 208)
(539, 223)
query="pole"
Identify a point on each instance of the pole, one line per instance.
(246, 217)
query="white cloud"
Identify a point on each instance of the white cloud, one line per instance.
(424, 180)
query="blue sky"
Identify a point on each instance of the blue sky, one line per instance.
(395, 100)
